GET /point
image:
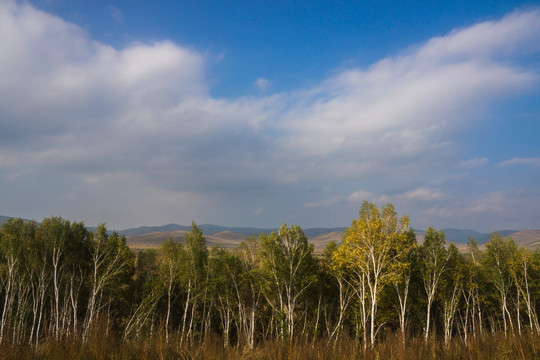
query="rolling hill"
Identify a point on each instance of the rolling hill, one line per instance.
(320, 237)
(145, 237)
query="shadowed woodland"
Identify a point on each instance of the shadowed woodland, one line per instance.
(67, 292)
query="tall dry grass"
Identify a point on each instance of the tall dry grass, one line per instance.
(101, 346)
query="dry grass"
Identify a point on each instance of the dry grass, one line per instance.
(100, 346)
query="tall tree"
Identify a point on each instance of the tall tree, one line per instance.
(169, 273)
(345, 288)
(11, 236)
(287, 262)
(521, 266)
(451, 285)
(471, 319)
(403, 278)
(498, 255)
(248, 290)
(54, 232)
(110, 259)
(194, 275)
(434, 262)
(374, 246)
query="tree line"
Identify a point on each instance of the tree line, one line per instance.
(58, 280)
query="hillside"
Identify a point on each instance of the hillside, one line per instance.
(225, 239)
(145, 237)
(320, 237)
(528, 238)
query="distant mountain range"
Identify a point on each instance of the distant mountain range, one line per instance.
(151, 236)
(209, 229)
(145, 237)
(452, 235)
(461, 236)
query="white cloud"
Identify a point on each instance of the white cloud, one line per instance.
(359, 196)
(521, 162)
(258, 212)
(143, 115)
(513, 33)
(422, 194)
(262, 84)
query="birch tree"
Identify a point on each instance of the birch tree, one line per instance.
(451, 285)
(521, 266)
(287, 261)
(470, 290)
(345, 288)
(498, 254)
(248, 290)
(374, 247)
(194, 273)
(169, 273)
(110, 258)
(11, 235)
(402, 280)
(54, 233)
(434, 260)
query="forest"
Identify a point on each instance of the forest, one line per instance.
(68, 292)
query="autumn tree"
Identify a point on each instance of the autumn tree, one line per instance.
(345, 288)
(374, 247)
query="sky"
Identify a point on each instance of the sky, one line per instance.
(258, 113)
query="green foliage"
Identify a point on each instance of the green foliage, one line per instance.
(63, 284)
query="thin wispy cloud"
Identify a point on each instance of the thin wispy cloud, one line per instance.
(423, 194)
(262, 84)
(324, 203)
(115, 13)
(521, 162)
(474, 163)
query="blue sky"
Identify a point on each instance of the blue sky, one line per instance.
(257, 113)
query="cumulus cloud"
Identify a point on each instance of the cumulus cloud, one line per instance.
(143, 115)
(91, 108)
